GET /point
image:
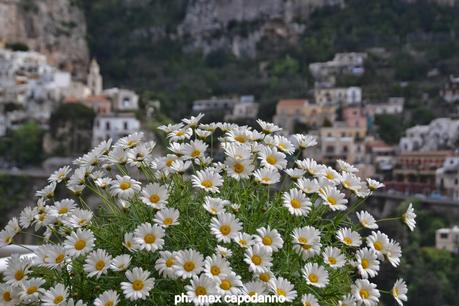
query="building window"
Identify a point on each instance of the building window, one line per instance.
(107, 126)
(455, 181)
(444, 235)
(126, 102)
(125, 125)
(330, 149)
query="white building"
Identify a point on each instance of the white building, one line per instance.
(114, 126)
(440, 134)
(123, 100)
(394, 106)
(94, 79)
(448, 239)
(336, 96)
(214, 104)
(247, 108)
(343, 63)
(450, 92)
(447, 177)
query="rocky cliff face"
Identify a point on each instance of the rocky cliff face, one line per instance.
(239, 25)
(56, 28)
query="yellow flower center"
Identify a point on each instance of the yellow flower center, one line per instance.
(59, 258)
(200, 290)
(137, 285)
(7, 296)
(395, 292)
(19, 275)
(154, 198)
(347, 240)
(364, 294)
(215, 270)
(225, 284)
(377, 245)
(271, 159)
(32, 290)
(313, 278)
(264, 277)
(100, 265)
(329, 176)
(295, 203)
(281, 292)
(365, 263)
(109, 303)
(267, 240)
(240, 138)
(189, 266)
(207, 183)
(170, 262)
(332, 260)
(256, 260)
(58, 299)
(180, 133)
(80, 244)
(63, 210)
(195, 153)
(251, 293)
(169, 163)
(167, 221)
(243, 242)
(149, 238)
(266, 179)
(125, 185)
(238, 168)
(331, 200)
(225, 229)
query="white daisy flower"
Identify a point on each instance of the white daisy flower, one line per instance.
(351, 182)
(229, 284)
(103, 182)
(315, 275)
(374, 184)
(30, 290)
(283, 287)
(63, 208)
(9, 296)
(223, 252)
(399, 291)
(311, 166)
(129, 242)
(349, 237)
(215, 206)
(79, 218)
(367, 262)
(139, 284)
(193, 121)
(333, 198)
(304, 141)
(347, 300)
(180, 134)
(167, 217)
(170, 127)
(97, 263)
(393, 253)
(306, 241)
(216, 266)
(346, 167)
(27, 216)
(244, 240)
(296, 202)
(283, 144)
(367, 220)
(271, 158)
(409, 217)
(333, 257)
(60, 175)
(268, 127)
(149, 237)
(195, 149)
(258, 258)
(107, 298)
(237, 151)
(188, 263)
(124, 187)
(79, 242)
(269, 239)
(225, 227)
(295, 173)
(120, 263)
(130, 141)
(378, 242)
(202, 134)
(309, 300)
(254, 288)
(6, 237)
(365, 292)
(239, 168)
(200, 286)
(264, 277)
(56, 295)
(180, 166)
(267, 176)
(239, 134)
(308, 186)
(207, 180)
(165, 264)
(155, 195)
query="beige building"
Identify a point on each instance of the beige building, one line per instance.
(342, 142)
(338, 96)
(447, 177)
(447, 239)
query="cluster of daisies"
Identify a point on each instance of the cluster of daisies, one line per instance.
(308, 194)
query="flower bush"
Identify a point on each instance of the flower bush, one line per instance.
(229, 210)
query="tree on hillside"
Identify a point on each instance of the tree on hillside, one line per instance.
(23, 146)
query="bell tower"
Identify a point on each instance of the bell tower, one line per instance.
(94, 81)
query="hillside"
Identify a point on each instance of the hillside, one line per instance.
(168, 50)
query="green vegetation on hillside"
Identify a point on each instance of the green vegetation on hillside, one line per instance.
(23, 145)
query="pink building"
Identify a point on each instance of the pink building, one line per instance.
(354, 116)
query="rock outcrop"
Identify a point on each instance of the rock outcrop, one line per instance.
(56, 28)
